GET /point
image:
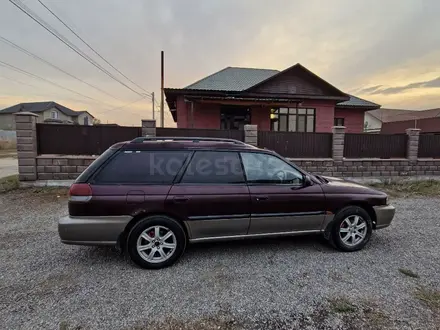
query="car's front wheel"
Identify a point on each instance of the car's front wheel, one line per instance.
(156, 242)
(351, 229)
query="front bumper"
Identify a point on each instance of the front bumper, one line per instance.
(384, 215)
(91, 230)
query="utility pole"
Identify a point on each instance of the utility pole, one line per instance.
(161, 90)
(152, 100)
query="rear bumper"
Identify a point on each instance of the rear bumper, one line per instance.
(384, 215)
(91, 230)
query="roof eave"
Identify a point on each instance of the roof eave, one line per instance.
(366, 108)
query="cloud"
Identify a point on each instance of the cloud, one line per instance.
(434, 83)
(368, 90)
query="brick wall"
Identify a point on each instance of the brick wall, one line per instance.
(205, 116)
(370, 167)
(55, 167)
(261, 117)
(44, 167)
(324, 116)
(353, 119)
(182, 113)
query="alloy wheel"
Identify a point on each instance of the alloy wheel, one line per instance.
(353, 230)
(156, 244)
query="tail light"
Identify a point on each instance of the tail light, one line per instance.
(80, 192)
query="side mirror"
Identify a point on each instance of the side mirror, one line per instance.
(307, 181)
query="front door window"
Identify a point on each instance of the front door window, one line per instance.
(267, 169)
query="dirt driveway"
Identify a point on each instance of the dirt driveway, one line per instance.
(8, 166)
(290, 283)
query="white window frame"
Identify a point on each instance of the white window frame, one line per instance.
(53, 114)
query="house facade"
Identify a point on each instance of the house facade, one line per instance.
(293, 100)
(48, 112)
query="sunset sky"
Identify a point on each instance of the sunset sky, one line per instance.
(387, 51)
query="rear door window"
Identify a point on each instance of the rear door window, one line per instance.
(142, 167)
(214, 167)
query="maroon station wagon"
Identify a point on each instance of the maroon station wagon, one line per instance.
(152, 196)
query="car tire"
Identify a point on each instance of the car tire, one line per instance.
(352, 228)
(156, 242)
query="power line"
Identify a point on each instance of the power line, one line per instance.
(14, 68)
(120, 107)
(17, 81)
(89, 46)
(27, 52)
(65, 41)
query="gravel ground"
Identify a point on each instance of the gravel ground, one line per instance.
(293, 283)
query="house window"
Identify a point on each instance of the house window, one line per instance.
(54, 115)
(293, 120)
(86, 120)
(339, 122)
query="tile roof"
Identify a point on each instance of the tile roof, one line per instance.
(358, 102)
(236, 79)
(37, 107)
(233, 79)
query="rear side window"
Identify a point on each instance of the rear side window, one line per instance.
(214, 167)
(142, 167)
(84, 176)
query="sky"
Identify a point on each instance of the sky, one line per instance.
(386, 51)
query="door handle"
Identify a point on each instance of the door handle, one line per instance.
(261, 198)
(180, 199)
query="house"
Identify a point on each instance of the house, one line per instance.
(428, 121)
(375, 118)
(293, 100)
(50, 112)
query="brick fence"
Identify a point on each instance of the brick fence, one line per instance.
(33, 167)
(57, 167)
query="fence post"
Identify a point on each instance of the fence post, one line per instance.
(338, 143)
(412, 144)
(148, 127)
(26, 129)
(251, 134)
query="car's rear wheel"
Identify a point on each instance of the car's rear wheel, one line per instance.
(351, 229)
(156, 242)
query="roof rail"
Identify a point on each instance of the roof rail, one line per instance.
(192, 139)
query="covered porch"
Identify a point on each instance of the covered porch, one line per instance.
(270, 114)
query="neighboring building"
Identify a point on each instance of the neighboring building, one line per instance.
(428, 121)
(291, 100)
(50, 112)
(375, 118)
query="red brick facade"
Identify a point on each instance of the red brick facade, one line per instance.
(207, 115)
(353, 119)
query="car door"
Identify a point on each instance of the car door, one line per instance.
(281, 201)
(212, 196)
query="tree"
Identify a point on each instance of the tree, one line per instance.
(96, 121)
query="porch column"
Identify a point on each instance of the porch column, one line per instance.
(148, 127)
(251, 134)
(26, 128)
(412, 147)
(338, 143)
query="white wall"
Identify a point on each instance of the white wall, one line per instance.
(61, 116)
(84, 115)
(371, 122)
